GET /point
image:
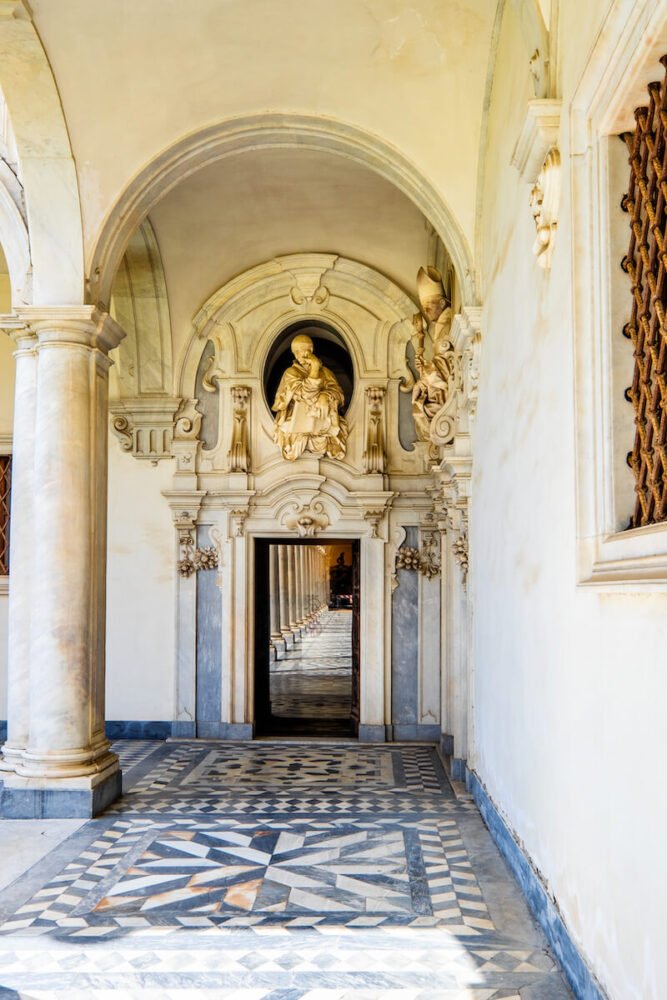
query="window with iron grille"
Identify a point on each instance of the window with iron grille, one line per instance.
(5, 484)
(646, 264)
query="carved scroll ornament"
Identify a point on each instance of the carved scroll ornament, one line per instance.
(239, 452)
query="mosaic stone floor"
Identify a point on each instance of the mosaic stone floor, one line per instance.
(275, 871)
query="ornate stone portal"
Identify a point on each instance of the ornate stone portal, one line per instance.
(331, 478)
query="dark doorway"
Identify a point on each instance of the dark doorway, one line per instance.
(306, 638)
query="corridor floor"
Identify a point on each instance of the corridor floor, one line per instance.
(314, 679)
(275, 871)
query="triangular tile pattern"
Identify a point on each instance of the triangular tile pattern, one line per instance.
(247, 871)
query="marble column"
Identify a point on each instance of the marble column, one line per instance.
(22, 554)
(310, 578)
(291, 589)
(283, 568)
(301, 576)
(277, 641)
(67, 768)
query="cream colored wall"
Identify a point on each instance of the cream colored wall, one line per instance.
(570, 684)
(140, 590)
(398, 71)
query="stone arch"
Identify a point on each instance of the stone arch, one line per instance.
(15, 245)
(233, 137)
(45, 165)
(142, 402)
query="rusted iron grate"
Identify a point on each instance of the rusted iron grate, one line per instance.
(5, 485)
(646, 261)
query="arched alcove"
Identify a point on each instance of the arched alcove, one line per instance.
(273, 131)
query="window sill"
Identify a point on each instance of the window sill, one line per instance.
(626, 560)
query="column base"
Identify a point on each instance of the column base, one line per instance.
(59, 798)
(289, 640)
(279, 645)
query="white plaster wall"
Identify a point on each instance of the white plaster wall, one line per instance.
(570, 683)
(140, 590)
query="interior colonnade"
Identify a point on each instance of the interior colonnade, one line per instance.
(298, 592)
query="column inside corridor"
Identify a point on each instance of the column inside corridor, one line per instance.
(57, 760)
(310, 606)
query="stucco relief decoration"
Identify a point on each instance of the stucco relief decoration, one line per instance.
(434, 392)
(429, 564)
(460, 550)
(237, 520)
(306, 407)
(374, 456)
(307, 519)
(407, 557)
(544, 199)
(422, 561)
(239, 452)
(193, 558)
(374, 517)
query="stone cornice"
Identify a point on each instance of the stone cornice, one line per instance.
(539, 133)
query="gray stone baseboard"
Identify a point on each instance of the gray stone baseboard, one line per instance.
(372, 734)
(405, 732)
(138, 729)
(580, 977)
(51, 803)
(183, 730)
(225, 730)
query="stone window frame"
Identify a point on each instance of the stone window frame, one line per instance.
(624, 60)
(5, 449)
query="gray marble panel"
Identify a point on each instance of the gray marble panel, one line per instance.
(405, 642)
(209, 643)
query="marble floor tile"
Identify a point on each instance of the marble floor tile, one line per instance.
(290, 871)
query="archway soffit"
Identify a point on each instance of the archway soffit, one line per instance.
(238, 135)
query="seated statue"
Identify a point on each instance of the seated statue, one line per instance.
(306, 407)
(436, 377)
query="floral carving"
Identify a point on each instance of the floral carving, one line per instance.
(460, 550)
(407, 557)
(193, 559)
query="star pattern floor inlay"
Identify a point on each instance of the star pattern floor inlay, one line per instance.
(275, 871)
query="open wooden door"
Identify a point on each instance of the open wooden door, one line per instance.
(356, 637)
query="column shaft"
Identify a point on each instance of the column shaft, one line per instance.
(22, 555)
(274, 598)
(66, 740)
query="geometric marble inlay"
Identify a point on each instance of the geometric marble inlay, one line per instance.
(273, 871)
(361, 873)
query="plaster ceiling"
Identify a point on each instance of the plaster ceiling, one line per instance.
(135, 77)
(248, 208)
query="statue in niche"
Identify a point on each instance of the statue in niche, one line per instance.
(306, 407)
(436, 379)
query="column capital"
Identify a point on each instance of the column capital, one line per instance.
(18, 330)
(85, 326)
